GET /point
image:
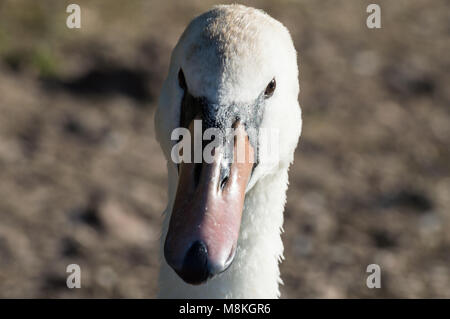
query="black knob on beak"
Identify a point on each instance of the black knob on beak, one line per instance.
(195, 269)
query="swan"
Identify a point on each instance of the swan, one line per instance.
(234, 66)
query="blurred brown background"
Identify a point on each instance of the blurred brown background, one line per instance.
(83, 181)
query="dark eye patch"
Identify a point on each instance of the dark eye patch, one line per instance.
(270, 88)
(181, 80)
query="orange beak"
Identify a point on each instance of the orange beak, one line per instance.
(206, 217)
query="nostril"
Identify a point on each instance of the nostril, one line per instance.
(223, 183)
(224, 175)
(195, 268)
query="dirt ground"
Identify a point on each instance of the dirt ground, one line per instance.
(82, 179)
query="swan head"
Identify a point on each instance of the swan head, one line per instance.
(234, 70)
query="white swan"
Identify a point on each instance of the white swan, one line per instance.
(233, 65)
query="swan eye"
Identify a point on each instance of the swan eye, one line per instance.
(181, 80)
(270, 88)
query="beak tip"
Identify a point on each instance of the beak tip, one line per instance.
(197, 268)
